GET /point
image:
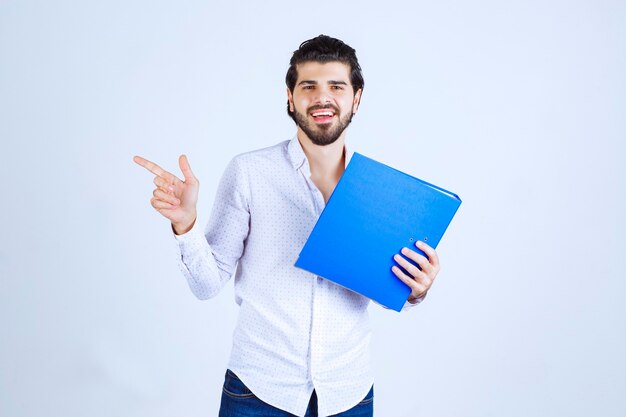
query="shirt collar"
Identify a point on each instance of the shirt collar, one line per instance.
(296, 153)
(298, 158)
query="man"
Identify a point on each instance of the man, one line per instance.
(301, 345)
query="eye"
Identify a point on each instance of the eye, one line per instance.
(308, 87)
(336, 87)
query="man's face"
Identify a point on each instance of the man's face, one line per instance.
(323, 100)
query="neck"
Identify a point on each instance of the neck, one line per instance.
(324, 161)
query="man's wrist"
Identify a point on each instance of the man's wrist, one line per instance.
(415, 300)
(182, 228)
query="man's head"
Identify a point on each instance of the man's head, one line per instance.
(324, 76)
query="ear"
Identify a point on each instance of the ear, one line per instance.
(290, 100)
(356, 101)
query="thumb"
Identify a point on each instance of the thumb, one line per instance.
(186, 168)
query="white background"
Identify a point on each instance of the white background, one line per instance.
(517, 106)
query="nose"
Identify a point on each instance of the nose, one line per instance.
(323, 96)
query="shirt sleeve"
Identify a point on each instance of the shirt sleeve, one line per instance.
(407, 305)
(208, 261)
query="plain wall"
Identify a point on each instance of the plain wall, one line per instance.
(519, 107)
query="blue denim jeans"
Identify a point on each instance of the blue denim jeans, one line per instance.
(239, 401)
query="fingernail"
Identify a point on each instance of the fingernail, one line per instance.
(405, 251)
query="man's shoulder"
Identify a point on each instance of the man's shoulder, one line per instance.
(270, 154)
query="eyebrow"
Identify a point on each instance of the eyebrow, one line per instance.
(313, 82)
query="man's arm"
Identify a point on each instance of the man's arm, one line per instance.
(209, 260)
(205, 269)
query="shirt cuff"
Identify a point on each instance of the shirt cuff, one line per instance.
(190, 240)
(408, 304)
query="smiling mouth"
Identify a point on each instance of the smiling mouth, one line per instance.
(322, 116)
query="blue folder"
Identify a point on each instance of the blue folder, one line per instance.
(375, 211)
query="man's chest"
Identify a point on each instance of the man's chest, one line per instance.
(286, 205)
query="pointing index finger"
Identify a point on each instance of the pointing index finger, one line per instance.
(150, 166)
(154, 168)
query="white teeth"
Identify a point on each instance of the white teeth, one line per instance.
(324, 113)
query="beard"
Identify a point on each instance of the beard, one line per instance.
(323, 134)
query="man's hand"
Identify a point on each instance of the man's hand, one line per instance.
(174, 199)
(420, 279)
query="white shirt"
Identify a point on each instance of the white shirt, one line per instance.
(296, 331)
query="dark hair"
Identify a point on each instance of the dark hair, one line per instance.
(324, 49)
